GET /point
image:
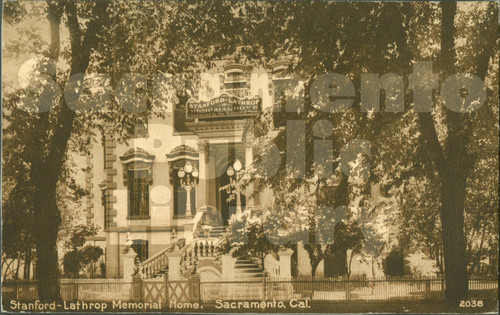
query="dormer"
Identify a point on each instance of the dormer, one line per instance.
(277, 69)
(235, 79)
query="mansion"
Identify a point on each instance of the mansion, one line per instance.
(165, 187)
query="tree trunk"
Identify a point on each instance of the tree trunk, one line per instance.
(46, 172)
(49, 220)
(27, 264)
(452, 220)
(456, 164)
(18, 263)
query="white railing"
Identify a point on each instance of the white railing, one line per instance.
(198, 222)
(235, 79)
(272, 266)
(199, 249)
(238, 92)
(196, 249)
(154, 264)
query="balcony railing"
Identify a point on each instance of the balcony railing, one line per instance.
(238, 92)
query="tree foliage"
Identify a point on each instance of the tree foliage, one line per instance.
(80, 254)
(246, 238)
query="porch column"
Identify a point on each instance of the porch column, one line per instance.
(201, 189)
(228, 262)
(174, 264)
(128, 264)
(248, 162)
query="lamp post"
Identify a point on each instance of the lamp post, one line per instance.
(233, 173)
(188, 176)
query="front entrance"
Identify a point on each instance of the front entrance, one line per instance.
(222, 156)
(226, 200)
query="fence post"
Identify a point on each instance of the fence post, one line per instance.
(165, 278)
(443, 290)
(129, 264)
(194, 288)
(174, 264)
(75, 290)
(264, 286)
(136, 289)
(285, 263)
(228, 262)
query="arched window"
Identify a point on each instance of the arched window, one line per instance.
(137, 176)
(177, 159)
(138, 193)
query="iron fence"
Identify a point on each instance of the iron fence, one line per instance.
(341, 289)
(261, 289)
(71, 290)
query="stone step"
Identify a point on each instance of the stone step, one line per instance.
(243, 267)
(215, 232)
(249, 271)
(248, 276)
(247, 268)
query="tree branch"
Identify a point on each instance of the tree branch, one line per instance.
(80, 60)
(430, 141)
(73, 26)
(54, 14)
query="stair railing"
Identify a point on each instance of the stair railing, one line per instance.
(198, 223)
(155, 263)
(272, 266)
(198, 249)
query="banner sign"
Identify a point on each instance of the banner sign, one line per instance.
(223, 106)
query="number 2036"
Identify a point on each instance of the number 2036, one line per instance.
(471, 303)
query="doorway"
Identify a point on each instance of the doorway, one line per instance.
(227, 208)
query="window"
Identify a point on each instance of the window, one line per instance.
(138, 193)
(137, 176)
(180, 198)
(235, 84)
(140, 247)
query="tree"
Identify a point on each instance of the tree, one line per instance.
(452, 160)
(395, 263)
(18, 206)
(80, 255)
(172, 38)
(390, 38)
(443, 149)
(246, 238)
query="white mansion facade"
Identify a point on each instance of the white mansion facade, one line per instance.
(163, 186)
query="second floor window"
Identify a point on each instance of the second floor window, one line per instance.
(138, 193)
(236, 84)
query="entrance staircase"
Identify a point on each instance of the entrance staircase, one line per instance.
(204, 246)
(247, 269)
(212, 232)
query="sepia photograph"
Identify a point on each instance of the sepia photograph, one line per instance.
(250, 156)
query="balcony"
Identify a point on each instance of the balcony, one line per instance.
(240, 78)
(238, 92)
